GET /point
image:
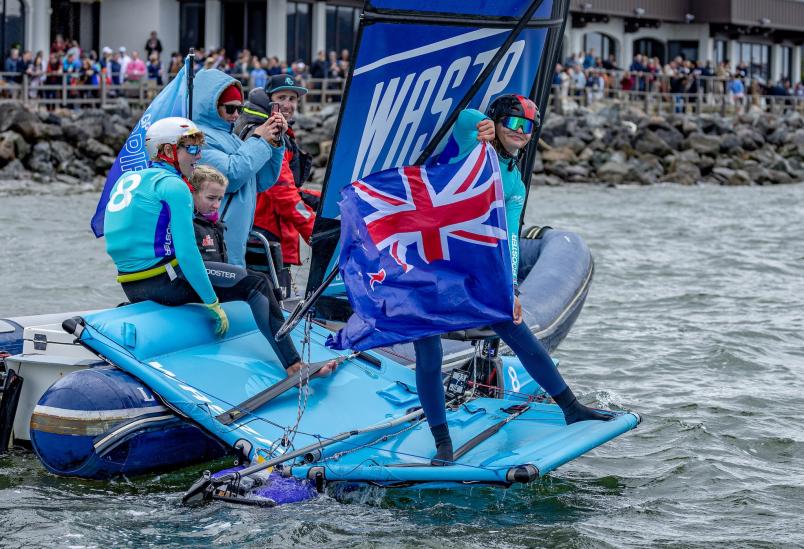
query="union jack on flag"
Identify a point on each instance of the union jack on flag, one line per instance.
(426, 219)
(424, 250)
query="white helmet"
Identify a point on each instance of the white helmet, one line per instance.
(168, 131)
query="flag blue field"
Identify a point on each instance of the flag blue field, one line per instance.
(424, 251)
(171, 101)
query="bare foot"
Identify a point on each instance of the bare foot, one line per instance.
(326, 370)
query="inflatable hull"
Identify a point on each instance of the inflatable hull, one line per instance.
(101, 422)
(514, 438)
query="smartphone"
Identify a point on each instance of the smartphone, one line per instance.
(274, 110)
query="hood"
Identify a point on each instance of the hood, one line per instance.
(259, 100)
(208, 85)
(255, 113)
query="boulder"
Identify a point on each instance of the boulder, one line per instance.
(705, 164)
(94, 148)
(586, 154)
(75, 133)
(544, 179)
(61, 152)
(684, 174)
(31, 129)
(577, 174)
(115, 136)
(13, 170)
(13, 114)
(558, 169)
(778, 136)
(671, 136)
(554, 126)
(68, 179)
(558, 155)
(575, 144)
(766, 123)
(329, 111)
(613, 172)
(648, 142)
(689, 126)
(730, 144)
(727, 176)
(81, 169)
(538, 165)
(40, 159)
(306, 122)
(715, 125)
(750, 139)
(12, 146)
(103, 163)
(703, 144)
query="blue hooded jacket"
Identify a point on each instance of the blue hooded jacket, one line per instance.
(251, 166)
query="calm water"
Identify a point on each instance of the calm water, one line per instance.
(695, 320)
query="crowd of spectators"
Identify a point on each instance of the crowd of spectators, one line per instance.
(254, 71)
(585, 74)
(78, 69)
(82, 71)
(582, 74)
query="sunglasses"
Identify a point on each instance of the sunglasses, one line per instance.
(231, 109)
(192, 149)
(515, 123)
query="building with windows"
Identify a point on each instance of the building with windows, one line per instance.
(766, 35)
(288, 29)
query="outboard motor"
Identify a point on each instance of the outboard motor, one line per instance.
(102, 422)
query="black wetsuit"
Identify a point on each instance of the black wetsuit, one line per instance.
(230, 282)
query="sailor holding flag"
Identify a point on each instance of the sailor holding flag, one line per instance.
(422, 255)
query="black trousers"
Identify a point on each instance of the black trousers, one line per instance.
(231, 283)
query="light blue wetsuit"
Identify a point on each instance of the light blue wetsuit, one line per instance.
(149, 218)
(251, 166)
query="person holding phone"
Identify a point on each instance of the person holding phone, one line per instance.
(250, 165)
(286, 211)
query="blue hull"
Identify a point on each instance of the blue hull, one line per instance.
(101, 423)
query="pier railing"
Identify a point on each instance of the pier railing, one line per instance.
(663, 94)
(653, 93)
(70, 90)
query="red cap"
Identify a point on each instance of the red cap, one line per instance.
(232, 93)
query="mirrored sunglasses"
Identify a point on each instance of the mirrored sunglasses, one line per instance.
(231, 109)
(515, 123)
(192, 149)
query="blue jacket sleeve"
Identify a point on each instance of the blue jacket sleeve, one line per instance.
(269, 173)
(240, 166)
(465, 132)
(180, 201)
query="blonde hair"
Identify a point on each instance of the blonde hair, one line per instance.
(203, 175)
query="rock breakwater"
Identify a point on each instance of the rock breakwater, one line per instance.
(71, 151)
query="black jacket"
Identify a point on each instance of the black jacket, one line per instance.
(209, 239)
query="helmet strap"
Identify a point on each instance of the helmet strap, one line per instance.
(175, 163)
(510, 159)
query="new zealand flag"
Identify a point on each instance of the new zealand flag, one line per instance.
(424, 251)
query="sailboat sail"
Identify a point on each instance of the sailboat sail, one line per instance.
(413, 64)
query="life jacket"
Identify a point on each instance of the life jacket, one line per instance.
(209, 239)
